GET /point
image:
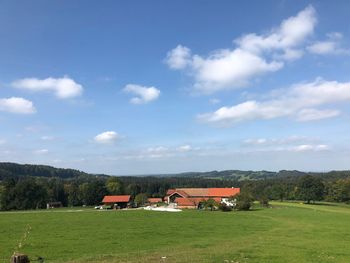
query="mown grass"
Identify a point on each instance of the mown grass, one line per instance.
(288, 232)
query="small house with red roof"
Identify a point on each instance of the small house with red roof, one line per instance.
(154, 201)
(116, 201)
(194, 197)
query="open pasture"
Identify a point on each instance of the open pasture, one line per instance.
(287, 232)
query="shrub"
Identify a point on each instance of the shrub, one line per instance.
(244, 201)
(224, 208)
(264, 201)
(210, 204)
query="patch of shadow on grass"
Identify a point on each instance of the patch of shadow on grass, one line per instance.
(320, 203)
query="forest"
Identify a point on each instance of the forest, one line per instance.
(32, 186)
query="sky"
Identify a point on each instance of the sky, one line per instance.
(147, 87)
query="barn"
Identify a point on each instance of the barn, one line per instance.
(116, 201)
(194, 197)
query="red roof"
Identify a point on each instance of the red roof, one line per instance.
(170, 191)
(192, 201)
(116, 199)
(205, 192)
(224, 192)
(155, 200)
(177, 191)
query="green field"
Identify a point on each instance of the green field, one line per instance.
(287, 232)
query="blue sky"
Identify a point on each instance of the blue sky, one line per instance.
(142, 87)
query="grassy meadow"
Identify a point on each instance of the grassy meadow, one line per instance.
(287, 232)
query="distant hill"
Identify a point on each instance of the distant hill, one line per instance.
(8, 169)
(257, 175)
(19, 170)
(233, 174)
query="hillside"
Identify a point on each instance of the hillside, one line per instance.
(20, 170)
(8, 169)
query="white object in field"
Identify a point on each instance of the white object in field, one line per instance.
(228, 202)
(162, 209)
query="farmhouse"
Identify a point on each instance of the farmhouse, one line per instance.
(116, 201)
(194, 197)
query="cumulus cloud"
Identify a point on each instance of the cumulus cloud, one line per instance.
(253, 55)
(290, 34)
(227, 69)
(17, 105)
(107, 137)
(299, 102)
(179, 57)
(63, 88)
(143, 94)
(330, 46)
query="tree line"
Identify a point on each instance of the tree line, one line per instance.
(30, 192)
(32, 186)
(308, 188)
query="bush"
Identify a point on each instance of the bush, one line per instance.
(224, 207)
(140, 199)
(210, 204)
(243, 205)
(244, 201)
(264, 201)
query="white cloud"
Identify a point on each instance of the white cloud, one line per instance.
(330, 46)
(324, 47)
(2, 141)
(157, 152)
(184, 148)
(291, 33)
(278, 141)
(259, 141)
(290, 54)
(107, 137)
(63, 88)
(17, 105)
(298, 102)
(253, 55)
(158, 149)
(287, 144)
(41, 151)
(227, 69)
(314, 114)
(163, 151)
(143, 94)
(309, 147)
(179, 57)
